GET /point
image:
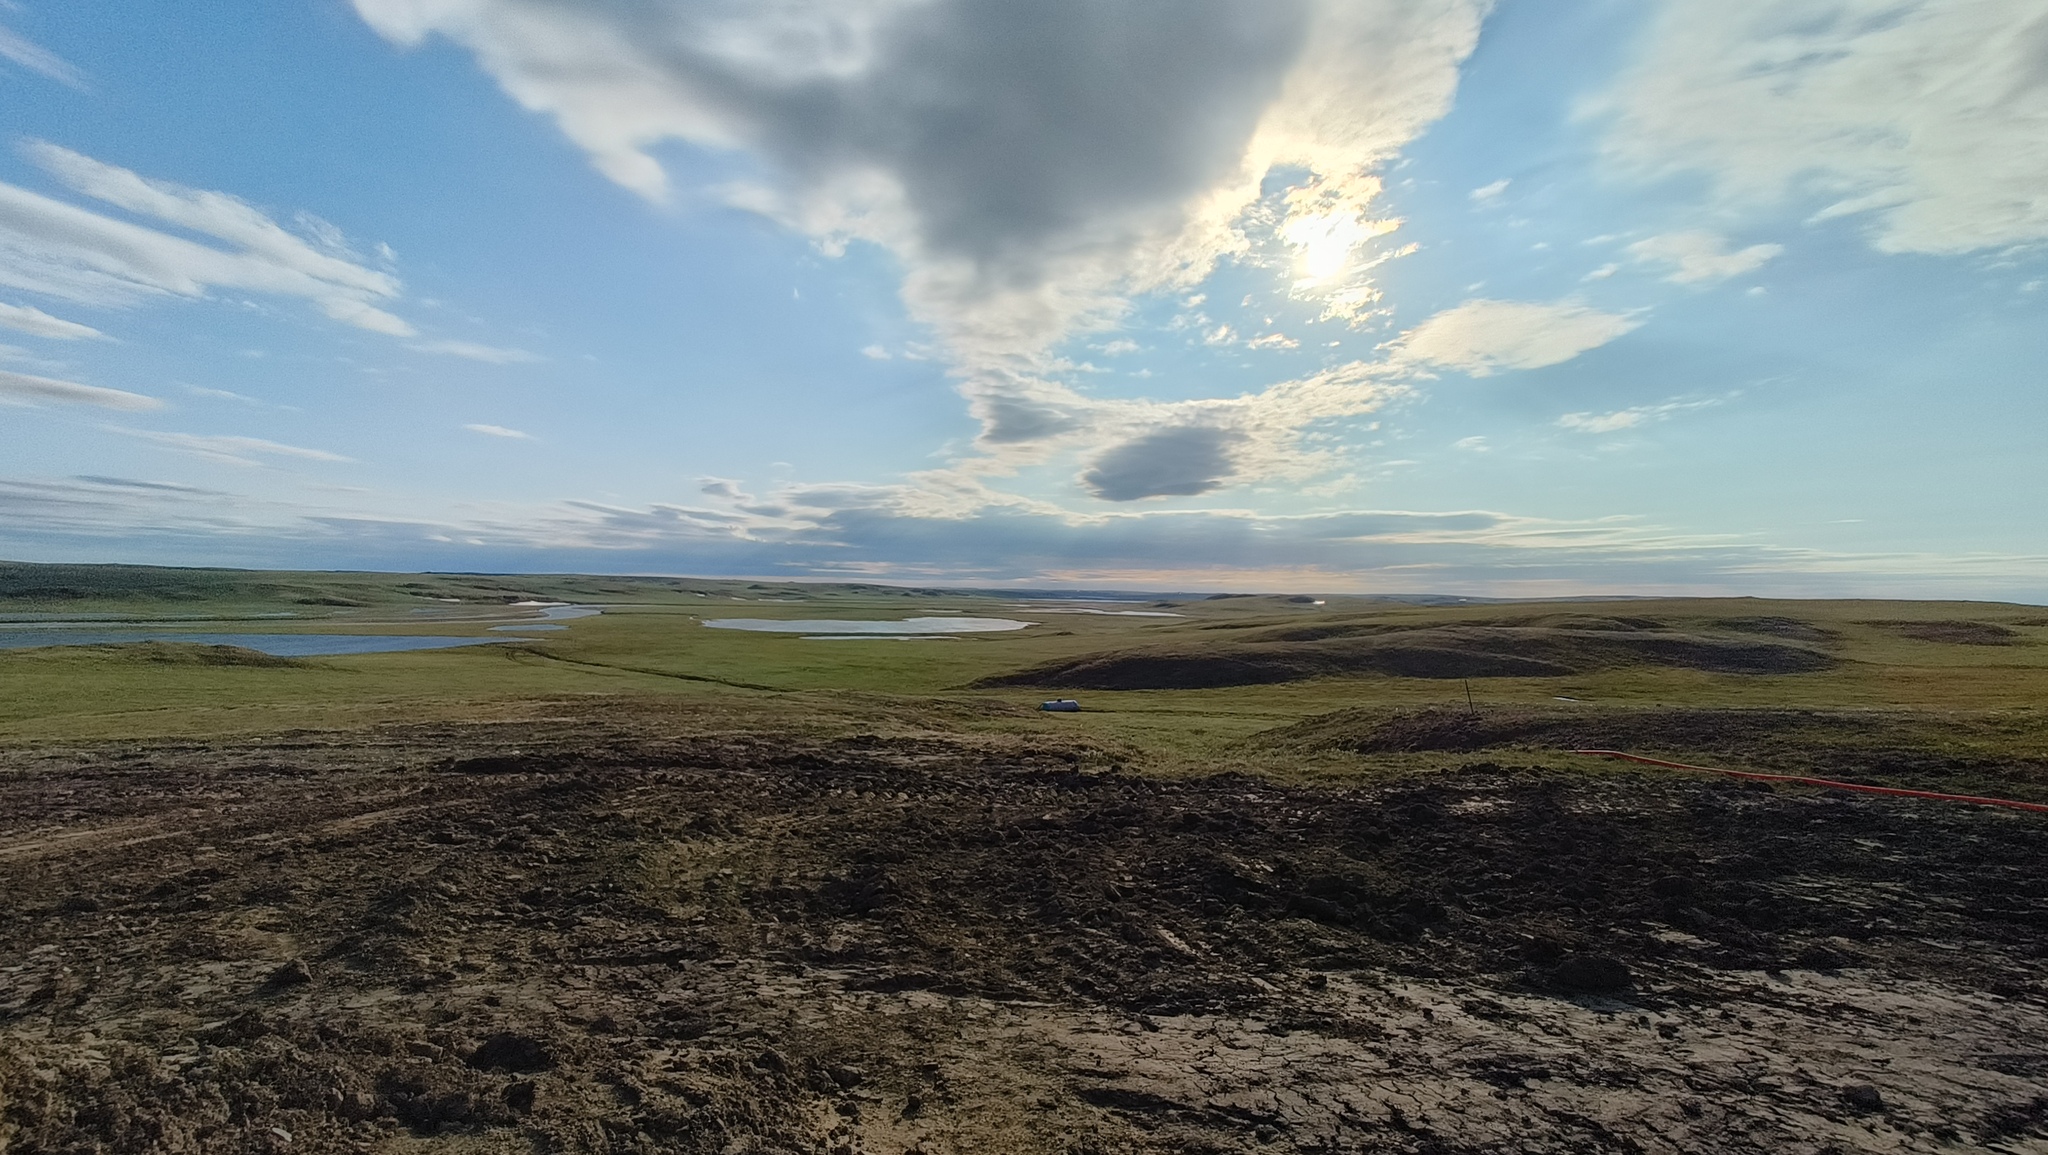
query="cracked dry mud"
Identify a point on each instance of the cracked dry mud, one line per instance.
(585, 937)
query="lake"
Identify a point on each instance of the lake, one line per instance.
(842, 629)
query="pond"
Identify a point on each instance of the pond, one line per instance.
(276, 645)
(843, 629)
(85, 630)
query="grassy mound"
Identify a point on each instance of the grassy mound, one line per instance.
(1338, 649)
(185, 654)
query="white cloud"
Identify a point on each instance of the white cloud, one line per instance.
(1697, 255)
(1118, 347)
(875, 353)
(471, 351)
(996, 150)
(221, 394)
(1630, 418)
(1926, 116)
(499, 431)
(1603, 272)
(1488, 193)
(1484, 337)
(28, 54)
(1476, 444)
(35, 322)
(61, 250)
(20, 388)
(1273, 341)
(229, 449)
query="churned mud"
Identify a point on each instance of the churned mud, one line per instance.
(579, 938)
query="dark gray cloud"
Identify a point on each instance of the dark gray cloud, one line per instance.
(1177, 462)
(1014, 419)
(1012, 122)
(1005, 124)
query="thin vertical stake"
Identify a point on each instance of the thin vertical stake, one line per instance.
(1468, 697)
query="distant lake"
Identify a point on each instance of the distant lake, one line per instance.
(277, 645)
(83, 630)
(843, 629)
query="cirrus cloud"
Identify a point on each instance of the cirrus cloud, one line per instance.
(57, 249)
(22, 388)
(36, 323)
(1924, 116)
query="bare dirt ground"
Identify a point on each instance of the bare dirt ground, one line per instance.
(578, 938)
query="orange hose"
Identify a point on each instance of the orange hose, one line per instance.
(2010, 804)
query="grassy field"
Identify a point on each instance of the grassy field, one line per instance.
(639, 884)
(1957, 676)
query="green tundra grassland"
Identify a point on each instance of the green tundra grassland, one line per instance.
(1943, 694)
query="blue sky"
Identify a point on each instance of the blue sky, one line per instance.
(1581, 296)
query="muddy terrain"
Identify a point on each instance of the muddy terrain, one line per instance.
(590, 937)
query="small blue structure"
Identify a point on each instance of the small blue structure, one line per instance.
(1061, 706)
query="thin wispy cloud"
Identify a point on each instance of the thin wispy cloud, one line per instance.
(61, 250)
(36, 323)
(472, 351)
(1630, 418)
(1920, 119)
(26, 389)
(22, 52)
(499, 431)
(230, 449)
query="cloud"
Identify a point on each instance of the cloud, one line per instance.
(58, 249)
(470, 350)
(229, 449)
(499, 431)
(35, 322)
(221, 394)
(1483, 337)
(849, 531)
(20, 388)
(1697, 255)
(37, 59)
(1922, 116)
(1488, 193)
(1032, 166)
(1180, 462)
(1473, 444)
(1630, 418)
(148, 486)
(875, 353)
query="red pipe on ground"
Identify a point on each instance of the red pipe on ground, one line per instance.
(2010, 804)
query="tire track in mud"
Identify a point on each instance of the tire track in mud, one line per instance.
(522, 937)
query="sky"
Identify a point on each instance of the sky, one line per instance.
(1530, 298)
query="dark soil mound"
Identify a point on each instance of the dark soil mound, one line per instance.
(1955, 633)
(1915, 748)
(1351, 649)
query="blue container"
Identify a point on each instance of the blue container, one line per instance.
(1061, 706)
